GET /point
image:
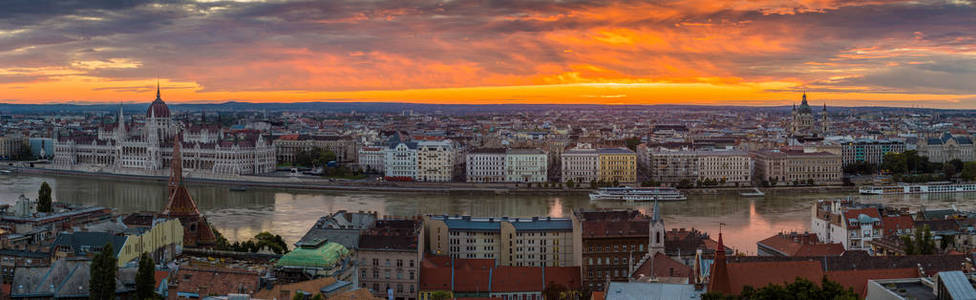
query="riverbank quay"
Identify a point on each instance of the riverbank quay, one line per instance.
(304, 183)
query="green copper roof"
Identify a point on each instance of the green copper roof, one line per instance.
(324, 256)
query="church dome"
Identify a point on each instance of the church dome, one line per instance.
(158, 108)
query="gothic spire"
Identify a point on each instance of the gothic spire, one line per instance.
(719, 273)
(157, 91)
(176, 169)
(656, 217)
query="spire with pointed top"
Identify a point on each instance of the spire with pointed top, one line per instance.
(176, 169)
(657, 212)
(157, 91)
(719, 273)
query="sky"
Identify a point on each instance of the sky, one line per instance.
(917, 53)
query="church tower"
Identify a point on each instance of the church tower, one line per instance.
(657, 232)
(823, 121)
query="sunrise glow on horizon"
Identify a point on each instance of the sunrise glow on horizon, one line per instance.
(763, 52)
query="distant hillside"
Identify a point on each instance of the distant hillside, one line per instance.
(392, 107)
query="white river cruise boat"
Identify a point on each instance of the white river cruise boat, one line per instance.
(638, 194)
(918, 189)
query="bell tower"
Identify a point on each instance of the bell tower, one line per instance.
(657, 231)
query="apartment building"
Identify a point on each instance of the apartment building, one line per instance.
(669, 167)
(798, 167)
(526, 165)
(854, 226)
(13, 145)
(609, 243)
(401, 160)
(389, 258)
(869, 150)
(485, 165)
(287, 146)
(372, 159)
(728, 168)
(511, 241)
(580, 164)
(617, 164)
(435, 161)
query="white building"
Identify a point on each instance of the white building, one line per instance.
(526, 165)
(123, 148)
(485, 165)
(580, 164)
(946, 148)
(435, 161)
(401, 160)
(372, 158)
(725, 167)
(854, 227)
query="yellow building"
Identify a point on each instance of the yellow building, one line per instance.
(163, 241)
(617, 164)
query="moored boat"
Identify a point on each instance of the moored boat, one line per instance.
(638, 194)
(918, 189)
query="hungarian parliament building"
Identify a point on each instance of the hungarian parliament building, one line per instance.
(123, 147)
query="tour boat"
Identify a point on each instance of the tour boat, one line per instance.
(637, 194)
(918, 189)
(755, 193)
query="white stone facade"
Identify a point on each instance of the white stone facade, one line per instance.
(485, 165)
(146, 150)
(526, 165)
(435, 161)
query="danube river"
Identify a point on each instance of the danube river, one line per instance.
(241, 215)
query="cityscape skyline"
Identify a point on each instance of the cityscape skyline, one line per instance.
(754, 53)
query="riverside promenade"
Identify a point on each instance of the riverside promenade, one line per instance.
(312, 183)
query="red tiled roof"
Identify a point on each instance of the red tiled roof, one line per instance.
(858, 279)
(472, 275)
(854, 213)
(664, 266)
(760, 274)
(216, 281)
(565, 276)
(801, 244)
(516, 279)
(892, 224)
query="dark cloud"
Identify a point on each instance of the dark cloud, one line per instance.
(291, 44)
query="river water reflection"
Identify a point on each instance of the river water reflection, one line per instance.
(241, 215)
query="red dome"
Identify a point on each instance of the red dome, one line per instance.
(158, 108)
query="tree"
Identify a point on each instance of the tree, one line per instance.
(949, 170)
(922, 244)
(799, 289)
(273, 242)
(616, 183)
(969, 170)
(554, 291)
(101, 284)
(593, 184)
(773, 181)
(44, 198)
(632, 143)
(440, 295)
(145, 278)
(571, 183)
